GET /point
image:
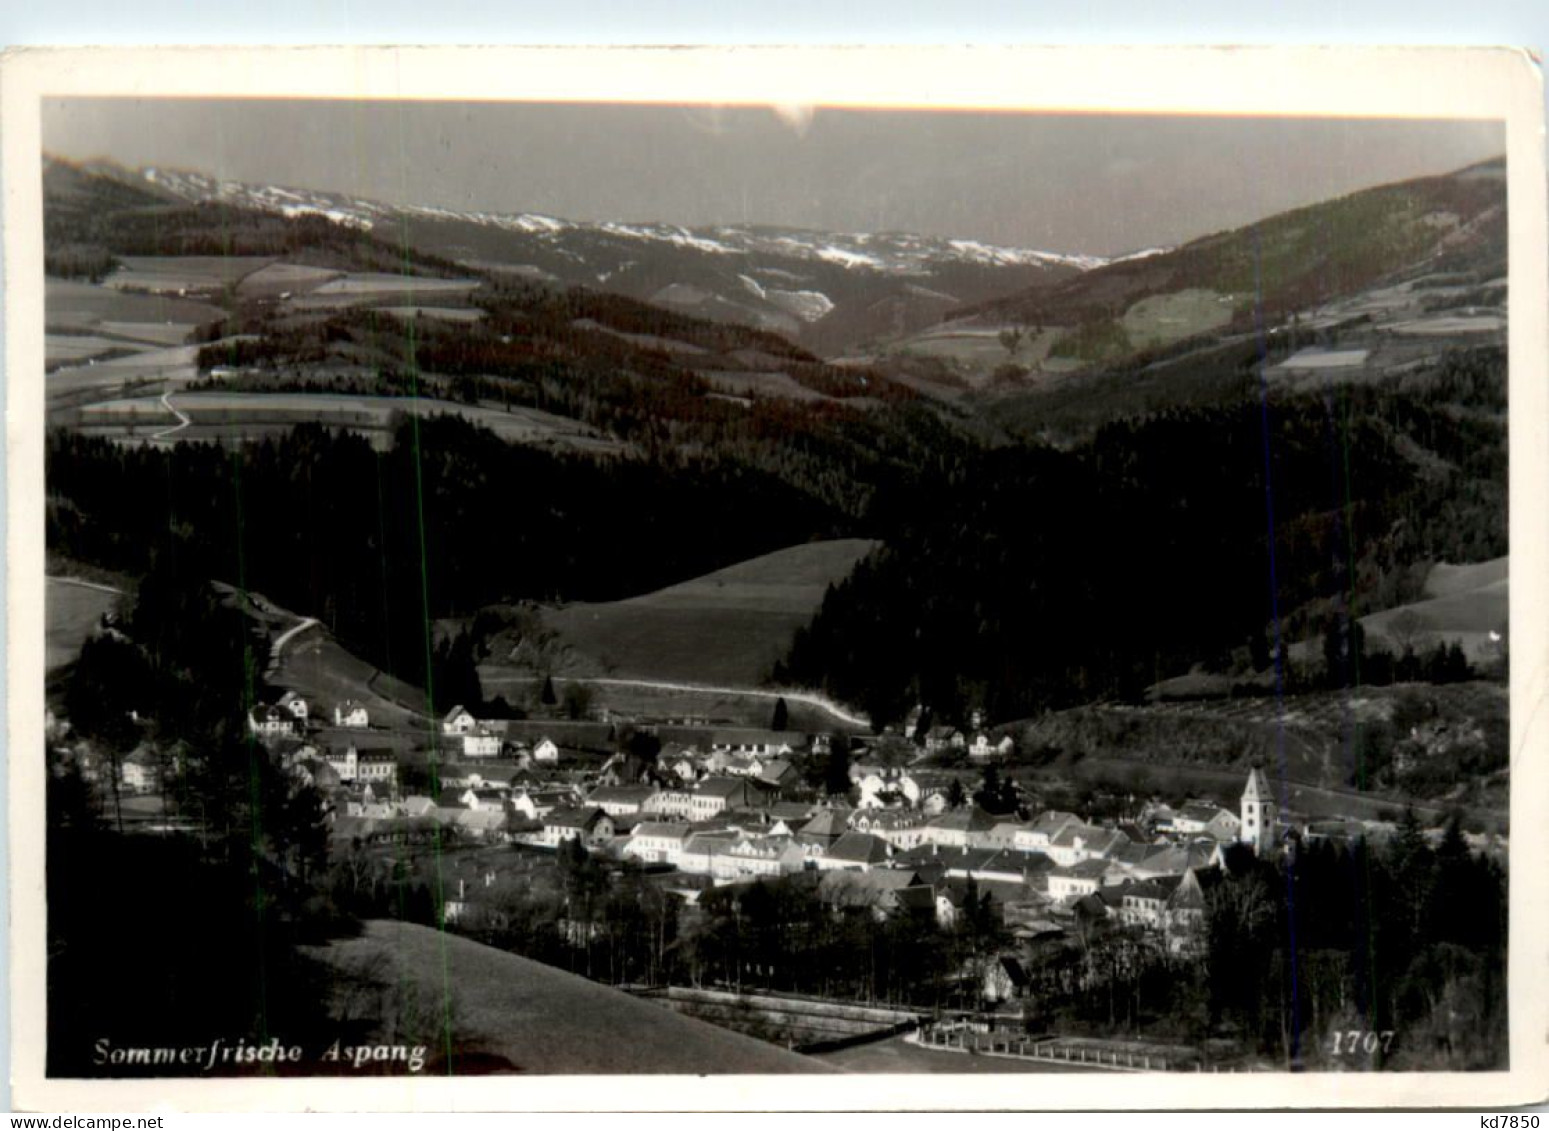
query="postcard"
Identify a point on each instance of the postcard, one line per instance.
(776, 579)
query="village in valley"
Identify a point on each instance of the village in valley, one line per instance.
(585, 646)
(925, 830)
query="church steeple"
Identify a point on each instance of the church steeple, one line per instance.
(1259, 813)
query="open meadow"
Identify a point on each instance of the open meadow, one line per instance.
(727, 628)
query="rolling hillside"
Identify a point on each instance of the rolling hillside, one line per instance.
(828, 290)
(1147, 308)
(727, 628)
(509, 1014)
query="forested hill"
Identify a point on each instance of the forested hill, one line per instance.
(1029, 578)
(1013, 573)
(1286, 263)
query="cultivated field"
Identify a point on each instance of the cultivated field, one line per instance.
(176, 274)
(233, 414)
(280, 278)
(724, 629)
(84, 307)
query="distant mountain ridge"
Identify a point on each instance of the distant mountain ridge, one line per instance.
(831, 291)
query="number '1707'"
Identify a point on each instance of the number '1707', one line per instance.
(1349, 1042)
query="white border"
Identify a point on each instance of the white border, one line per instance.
(1329, 82)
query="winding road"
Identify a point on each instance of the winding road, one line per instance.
(806, 698)
(183, 419)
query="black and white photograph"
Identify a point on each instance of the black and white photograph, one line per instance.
(546, 587)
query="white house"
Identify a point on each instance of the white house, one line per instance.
(545, 751)
(672, 803)
(378, 765)
(658, 842)
(351, 714)
(271, 722)
(588, 824)
(481, 742)
(983, 747)
(621, 800)
(459, 720)
(1069, 883)
(296, 705)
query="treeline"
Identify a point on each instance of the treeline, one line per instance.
(217, 914)
(1019, 579)
(1399, 939)
(378, 544)
(775, 934)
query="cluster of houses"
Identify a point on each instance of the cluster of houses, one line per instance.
(1044, 877)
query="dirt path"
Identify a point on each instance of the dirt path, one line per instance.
(806, 698)
(183, 419)
(84, 584)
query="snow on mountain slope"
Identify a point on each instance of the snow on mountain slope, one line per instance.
(897, 253)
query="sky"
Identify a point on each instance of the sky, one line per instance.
(1096, 184)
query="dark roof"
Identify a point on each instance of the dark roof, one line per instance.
(727, 787)
(623, 793)
(970, 818)
(574, 817)
(862, 848)
(1085, 869)
(829, 823)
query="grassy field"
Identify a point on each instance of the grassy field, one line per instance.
(726, 629)
(739, 708)
(1462, 603)
(508, 1014)
(317, 667)
(279, 278)
(72, 305)
(70, 612)
(1166, 318)
(175, 273)
(233, 414)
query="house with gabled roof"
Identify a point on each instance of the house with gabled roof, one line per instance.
(272, 722)
(824, 829)
(352, 714)
(658, 842)
(586, 823)
(969, 826)
(296, 705)
(1070, 882)
(1145, 901)
(458, 721)
(1187, 907)
(902, 828)
(1036, 837)
(1075, 843)
(855, 851)
(715, 795)
(1004, 980)
(1201, 819)
(744, 857)
(881, 891)
(781, 775)
(621, 800)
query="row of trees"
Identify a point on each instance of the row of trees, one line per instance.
(1400, 939)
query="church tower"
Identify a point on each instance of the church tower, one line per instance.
(1259, 815)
